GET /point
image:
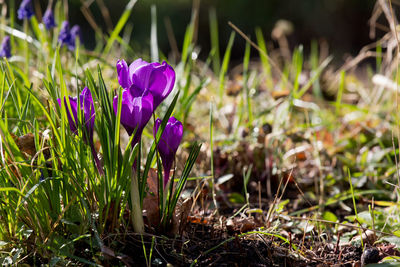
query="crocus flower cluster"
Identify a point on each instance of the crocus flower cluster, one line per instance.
(5, 48)
(48, 19)
(169, 142)
(145, 85)
(88, 111)
(25, 10)
(68, 36)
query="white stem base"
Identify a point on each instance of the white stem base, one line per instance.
(137, 214)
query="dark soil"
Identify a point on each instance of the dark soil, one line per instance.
(204, 244)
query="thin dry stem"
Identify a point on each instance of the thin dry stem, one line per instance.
(276, 67)
(397, 97)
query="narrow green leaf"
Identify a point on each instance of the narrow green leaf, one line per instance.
(121, 23)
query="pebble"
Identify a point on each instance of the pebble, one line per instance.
(370, 255)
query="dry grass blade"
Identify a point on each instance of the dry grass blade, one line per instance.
(273, 63)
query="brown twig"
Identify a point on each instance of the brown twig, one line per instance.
(244, 36)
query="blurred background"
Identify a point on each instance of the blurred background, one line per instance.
(342, 24)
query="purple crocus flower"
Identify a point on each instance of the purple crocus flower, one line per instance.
(87, 107)
(74, 33)
(136, 112)
(88, 111)
(169, 143)
(25, 10)
(48, 19)
(142, 77)
(64, 37)
(5, 48)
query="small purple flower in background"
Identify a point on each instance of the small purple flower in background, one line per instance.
(5, 48)
(68, 36)
(64, 37)
(135, 112)
(74, 33)
(25, 10)
(169, 143)
(48, 19)
(88, 111)
(142, 77)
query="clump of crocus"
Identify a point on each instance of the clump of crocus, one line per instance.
(25, 10)
(168, 144)
(145, 85)
(142, 77)
(48, 19)
(5, 48)
(88, 112)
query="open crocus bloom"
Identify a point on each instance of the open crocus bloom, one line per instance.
(169, 143)
(142, 77)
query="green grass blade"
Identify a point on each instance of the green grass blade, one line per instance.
(214, 37)
(224, 68)
(121, 23)
(264, 58)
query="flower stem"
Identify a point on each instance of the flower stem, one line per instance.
(96, 160)
(26, 44)
(137, 216)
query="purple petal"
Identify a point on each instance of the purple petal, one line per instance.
(48, 19)
(25, 10)
(64, 36)
(87, 106)
(73, 104)
(135, 112)
(141, 78)
(123, 74)
(5, 48)
(136, 65)
(75, 32)
(158, 79)
(161, 82)
(169, 143)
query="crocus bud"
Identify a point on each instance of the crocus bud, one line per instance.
(142, 77)
(25, 10)
(74, 33)
(87, 107)
(169, 143)
(5, 48)
(64, 37)
(48, 19)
